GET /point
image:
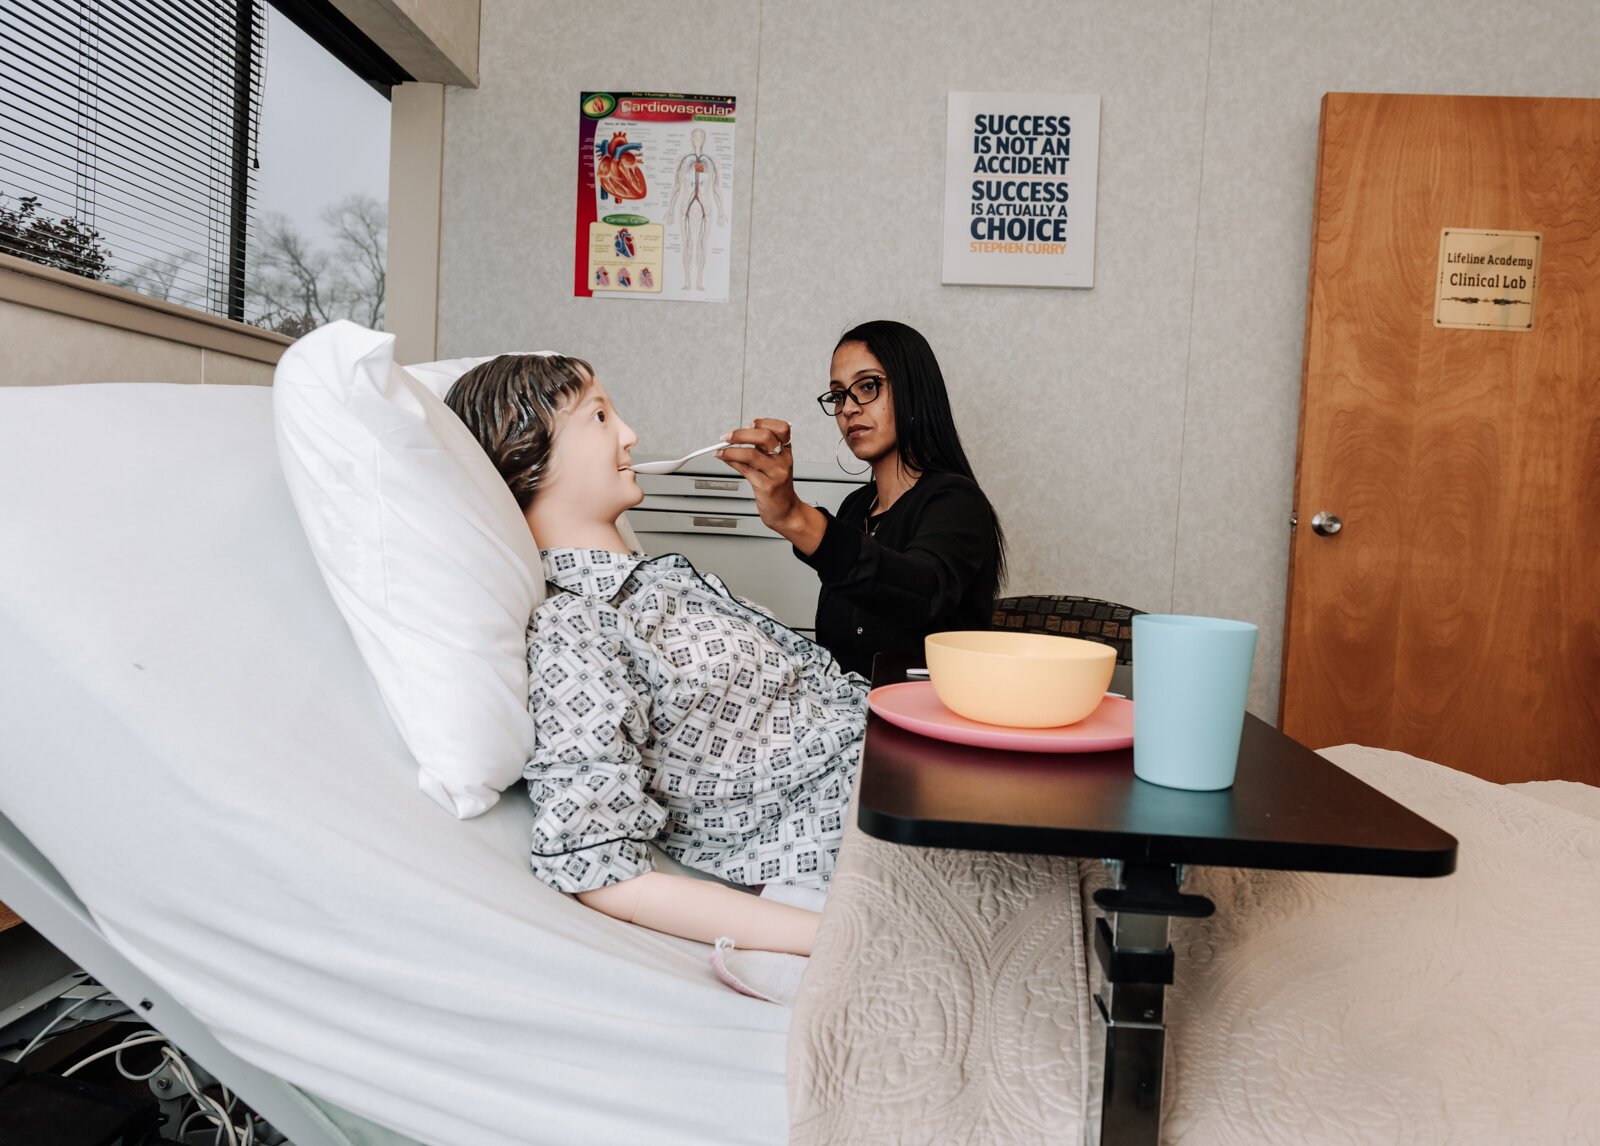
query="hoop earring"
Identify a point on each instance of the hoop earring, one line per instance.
(839, 461)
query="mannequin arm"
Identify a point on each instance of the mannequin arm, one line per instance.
(699, 909)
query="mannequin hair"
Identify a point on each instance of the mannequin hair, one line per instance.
(510, 404)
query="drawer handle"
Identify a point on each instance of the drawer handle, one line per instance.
(716, 523)
(706, 483)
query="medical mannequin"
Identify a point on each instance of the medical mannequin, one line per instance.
(570, 474)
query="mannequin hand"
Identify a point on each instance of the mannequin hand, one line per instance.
(703, 910)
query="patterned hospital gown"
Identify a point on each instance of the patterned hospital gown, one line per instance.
(669, 710)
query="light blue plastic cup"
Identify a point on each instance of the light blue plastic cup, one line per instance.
(1191, 676)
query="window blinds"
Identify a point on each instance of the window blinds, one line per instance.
(127, 141)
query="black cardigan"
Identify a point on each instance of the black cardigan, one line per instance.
(930, 565)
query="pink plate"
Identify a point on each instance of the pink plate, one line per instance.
(914, 707)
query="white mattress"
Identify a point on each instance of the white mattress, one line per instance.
(188, 734)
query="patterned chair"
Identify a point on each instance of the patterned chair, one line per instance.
(1085, 617)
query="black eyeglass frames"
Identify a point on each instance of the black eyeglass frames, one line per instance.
(864, 391)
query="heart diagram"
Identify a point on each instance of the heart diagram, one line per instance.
(620, 172)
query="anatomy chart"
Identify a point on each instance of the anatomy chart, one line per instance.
(655, 196)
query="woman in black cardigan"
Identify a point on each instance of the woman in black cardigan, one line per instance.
(918, 549)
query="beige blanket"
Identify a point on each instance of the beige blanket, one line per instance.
(949, 996)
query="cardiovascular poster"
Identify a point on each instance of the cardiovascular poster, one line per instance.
(655, 196)
(1020, 175)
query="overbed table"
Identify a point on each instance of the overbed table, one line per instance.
(1288, 809)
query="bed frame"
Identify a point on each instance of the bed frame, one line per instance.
(38, 893)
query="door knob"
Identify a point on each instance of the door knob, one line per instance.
(1326, 524)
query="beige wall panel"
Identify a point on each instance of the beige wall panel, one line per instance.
(509, 196)
(1270, 65)
(1138, 437)
(218, 369)
(39, 348)
(1070, 402)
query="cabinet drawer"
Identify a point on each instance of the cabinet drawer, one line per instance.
(731, 487)
(696, 485)
(713, 521)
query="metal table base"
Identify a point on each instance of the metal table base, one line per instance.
(1136, 962)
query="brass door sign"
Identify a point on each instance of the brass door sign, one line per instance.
(1487, 279)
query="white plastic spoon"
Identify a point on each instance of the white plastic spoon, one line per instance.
(674, 467)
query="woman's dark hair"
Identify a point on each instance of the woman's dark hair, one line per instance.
(924, 427)
(510, 405)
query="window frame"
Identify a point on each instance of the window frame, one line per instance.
(27, 283)
(62, 292)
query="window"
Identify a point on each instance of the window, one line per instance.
(127, 132)
(137, 139)
(319, 209)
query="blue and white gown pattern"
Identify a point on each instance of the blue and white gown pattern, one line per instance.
(669, 710)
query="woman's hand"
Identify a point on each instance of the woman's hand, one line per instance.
(769, 468)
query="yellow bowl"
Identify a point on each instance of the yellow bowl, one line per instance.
(1020, 680)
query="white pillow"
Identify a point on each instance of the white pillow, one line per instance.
(424, 549)
(440, 376)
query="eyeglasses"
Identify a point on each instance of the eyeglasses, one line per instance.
(864, 391)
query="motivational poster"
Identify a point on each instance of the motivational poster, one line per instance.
(1020, 172)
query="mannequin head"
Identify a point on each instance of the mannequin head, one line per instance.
(550, 429)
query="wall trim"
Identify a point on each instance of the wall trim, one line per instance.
(47, 288)
(416, 198)
(435, 41)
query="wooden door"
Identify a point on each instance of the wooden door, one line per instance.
(1455, 615)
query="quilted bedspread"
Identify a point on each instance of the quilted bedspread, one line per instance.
(949, 996)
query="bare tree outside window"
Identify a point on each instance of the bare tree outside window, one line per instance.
(167, 277)
(139, 179)
(295, 284)
(319, 213)
(298, 283)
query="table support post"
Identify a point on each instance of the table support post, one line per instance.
(1137, 965)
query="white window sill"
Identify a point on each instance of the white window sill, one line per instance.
(29, 284)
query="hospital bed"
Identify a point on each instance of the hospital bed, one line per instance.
(206, 805)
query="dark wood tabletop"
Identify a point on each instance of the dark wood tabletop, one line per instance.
(1288, 808)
